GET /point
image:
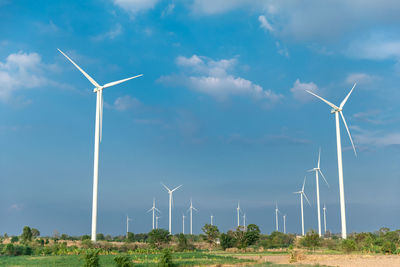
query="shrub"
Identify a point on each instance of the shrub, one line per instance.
(252, 234)
(211, 233)
(311, 240)
(388, 247)
(227, 241)
(123, 261)
(9, 250)
(157, 237)
(349, 245)
(91, 258)
(87, 243)
(165, 259)
(26, 234)
(14, 239)
(183, 243)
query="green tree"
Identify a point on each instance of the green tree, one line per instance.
(311, 240)
(100, 237)
(35, 232)
(349, 245)
(227, 241)
(131, 237)
(26, 234)
(211, 233)
(158, 237)
(252, 234)
(14, 239)
(240, 237)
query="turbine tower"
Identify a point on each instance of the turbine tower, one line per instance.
(127, 225)
(212, 219)
(339, 110)
(276, 217)
(154, 209)
(301, 201)
(157, 217)
(170, 205)
(318, 170)
(183, 223)
(284, 224)
(97, 136)
(191, 208)
(238, 214)
(324, 219)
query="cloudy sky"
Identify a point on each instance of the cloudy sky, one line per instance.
(221, 109)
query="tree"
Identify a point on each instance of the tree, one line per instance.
(100, 236)
(26, 234)
(211, 233)
(312, 240)
(227, 241)
(131, 237)
(157, 237)
(240, 237)
(35, 232)
(252, 234)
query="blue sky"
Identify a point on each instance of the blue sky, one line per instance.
(220, 109)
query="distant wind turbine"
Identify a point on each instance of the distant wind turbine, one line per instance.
(276, 217)
(339, 110)
(170, 204)
(98, 135)
(238, 214)
(183, 223)
(191, 208)
(301, 201)
(324, 219)
(284, 224)
(127, 225)
(154, 209)
(212, 217)
(318, 170)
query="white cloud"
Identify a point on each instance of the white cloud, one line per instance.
(214, 78)
(375, 48)
(124, 103)
(282, 50)
(264, 23)
(21, 71)
(213, 7)
(360, 79)
(110, 34)
(135, 6)
(376, 138)
(298, 90)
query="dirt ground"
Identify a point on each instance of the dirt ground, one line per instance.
(333, 260)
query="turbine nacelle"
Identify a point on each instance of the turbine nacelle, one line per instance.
(96, 89)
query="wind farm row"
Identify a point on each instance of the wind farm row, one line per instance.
(336, 110)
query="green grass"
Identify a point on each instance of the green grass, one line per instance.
(181, 259)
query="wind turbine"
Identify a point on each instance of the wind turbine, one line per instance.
(284, 224)
(339, 110)
(301, 201)
(212, 217)
(276, 217)
(127, 225)
(238, 214)
(154, 209)
(191, 208)
(324, 219)
(170, 204)
(183, 223)
(318, 170)
(157, 217)
(98, 135)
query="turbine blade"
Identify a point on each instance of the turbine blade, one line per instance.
(157, 210)
(195, 209)
(348, 132)
(311, 170)
(304, 194)
(319, 157)
(81, 70)
(298, 192)
(347, 97)
(323, 176)
(149, 210)
(176, 188)
(165, 187)
(304, 182)
(326, 101)
(121, 81)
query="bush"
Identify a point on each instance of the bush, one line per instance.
(183, 243)
(9, 250)
(211, 233)
(157, 237)
(388, 247)
(123, 261)
(14, 239)
(91, 258)
(26, 234)
(349, 245)
(165, 259)
(227, 241)
(311, 240)
(252, 234)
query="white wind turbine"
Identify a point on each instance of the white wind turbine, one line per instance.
(127, 225)
(301, 201)
(154, 209)
(170, 204)
(157, 217)
(191, 208)
(318, 170)
(324, 219)
(98, 135)
(337, 111)
(183, 223)
(238, 214)
(276, 217)
(212, 219)
(284, 223)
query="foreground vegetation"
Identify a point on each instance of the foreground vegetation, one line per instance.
(162, 249)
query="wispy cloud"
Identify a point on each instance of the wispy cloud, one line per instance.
(136, 6)
(299, 90)
(265, 24)
(124, 103)
(215, 78)
(361, 79)
(112, 34)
